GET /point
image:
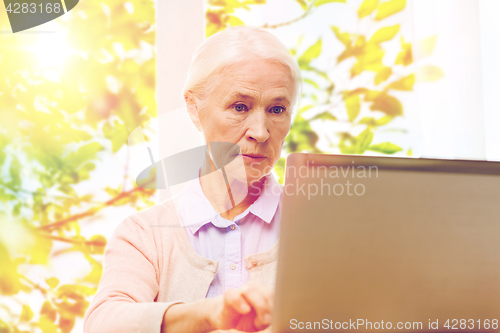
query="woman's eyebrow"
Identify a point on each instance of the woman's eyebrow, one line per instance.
(282, 99)
(243, 96)
(238, 95)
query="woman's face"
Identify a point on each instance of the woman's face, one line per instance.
(250, 105)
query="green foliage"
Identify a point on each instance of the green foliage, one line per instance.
(387, 104)
(430, 73)
(389, 8)
(367, 7)
(58, 121)
(311, 53)
(385, 148)
(406, 83)
(384, 34)
(220, 14)
(352, 104)
(426, 46)
(405, 56)
(322, 2)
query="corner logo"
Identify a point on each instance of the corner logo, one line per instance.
(26, 14)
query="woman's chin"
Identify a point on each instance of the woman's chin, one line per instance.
(246, 175)
(256, 174)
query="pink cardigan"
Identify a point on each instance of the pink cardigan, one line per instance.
(150, 265)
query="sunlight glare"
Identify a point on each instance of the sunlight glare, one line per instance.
(51, 50)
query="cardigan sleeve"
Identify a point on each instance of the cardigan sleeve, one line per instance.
(129, 285)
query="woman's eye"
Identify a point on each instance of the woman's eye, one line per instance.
(240, 107)
(277, 109)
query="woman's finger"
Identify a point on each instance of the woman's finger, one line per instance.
(269, 292)
(258, 300)
(267, 330)
(236, 301)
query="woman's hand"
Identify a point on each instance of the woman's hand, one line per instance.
(267, 330)
(245, 309)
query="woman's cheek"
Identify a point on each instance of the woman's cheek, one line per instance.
(282, 128)
(234, 119)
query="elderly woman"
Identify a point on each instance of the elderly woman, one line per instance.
(216, 269)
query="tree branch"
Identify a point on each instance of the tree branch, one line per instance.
(35, 285)
(306, 12)
(91, 211)
(71, 241)
(125, 172)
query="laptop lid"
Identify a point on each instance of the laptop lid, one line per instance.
(388, 244)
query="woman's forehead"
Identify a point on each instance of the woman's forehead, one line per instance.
(279, 95)
(253, 77)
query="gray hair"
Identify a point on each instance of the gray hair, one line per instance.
(234, 45)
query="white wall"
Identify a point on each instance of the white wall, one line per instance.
(450, 111)
(180, 30)
(490, 56)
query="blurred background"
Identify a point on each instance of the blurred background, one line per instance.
(381, 77)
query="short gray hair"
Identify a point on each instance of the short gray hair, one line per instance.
(234, 45)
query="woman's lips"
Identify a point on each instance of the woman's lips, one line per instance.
(253, 157)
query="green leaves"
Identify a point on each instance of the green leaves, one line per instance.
(26, 313)
(220, 14)
(369, 59)
(10, 283)
(234, 21)
(353, 104)
(15, 173)
(301, 137)
(429, 73)
(302, 4)
(311, 53)
(384, 34)
(324, 116)
(311, 82)
(383, 74)
(425, 47)
(370, 121)
(95, 275)
(323, 2)
(48, 311)
(52, 282)
(344, 37)
(405, 56)
(97, 244)
(71, 301)
(47, 325)
(84, 153)
(387, 104)
(385, 148)
(363, 140)
(367, 7)
(405, 84)
(356, 145)
(52, 134)
(389, 8)
(118, 134)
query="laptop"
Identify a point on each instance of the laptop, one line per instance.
(388, 244)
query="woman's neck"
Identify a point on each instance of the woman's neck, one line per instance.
(232, 198)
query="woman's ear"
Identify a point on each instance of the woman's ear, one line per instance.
(193, 109)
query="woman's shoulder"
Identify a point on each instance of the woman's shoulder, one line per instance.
(164, 213)
(160, 219)
(152, 230)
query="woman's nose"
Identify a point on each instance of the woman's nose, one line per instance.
(258, 129)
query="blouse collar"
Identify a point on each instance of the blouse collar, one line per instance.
(196, 210)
